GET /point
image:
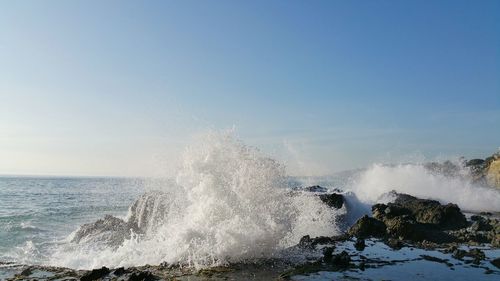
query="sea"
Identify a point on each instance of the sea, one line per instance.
(228, 203)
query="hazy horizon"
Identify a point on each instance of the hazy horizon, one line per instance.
(119, 88)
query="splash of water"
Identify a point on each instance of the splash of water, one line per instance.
(229, 204)
(419, 181)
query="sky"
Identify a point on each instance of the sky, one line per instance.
(118, 88)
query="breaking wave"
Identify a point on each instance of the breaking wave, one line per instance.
(420, 181)
(229, 203)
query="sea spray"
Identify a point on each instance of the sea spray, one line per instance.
(417, 180)
(230, 203)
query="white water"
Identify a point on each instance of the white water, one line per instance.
(418, 181)
(229, 204)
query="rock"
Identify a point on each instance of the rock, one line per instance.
(367, 227)
(395, 244)
(328, 253)
(446, 168)
(496, 262)
(430, 211)
(119, 271)
(481, 225)
(308, 242)
(26, 272)
(341, 260)
(110, 230)
(315, 188)
(150, 210)
(333, 200)
(142, 276)
(493, 172)
(95, 274)
(360, 244)
(474, 162)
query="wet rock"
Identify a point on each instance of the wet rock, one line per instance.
(436, 259)
(308, 242)
(496, 262)
(315, 188)
(333, 200)
(26, 272)
(360, 244)
(474, 162)
(341, 260)
(367, 227)
(428, 211)
(328, 253)
(395, 244)
(142, 276)
(95, 274)
(305, 242)
(406, 228)
(110, 230)
(119, 271)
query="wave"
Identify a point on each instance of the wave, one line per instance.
(230, 203)
(419, 180)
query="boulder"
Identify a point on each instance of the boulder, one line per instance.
(367, 227)
(422, 211)
(95, 274)
(333, 200)
(109, 230)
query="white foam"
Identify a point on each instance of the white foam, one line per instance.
(232, 205)
(419, 181)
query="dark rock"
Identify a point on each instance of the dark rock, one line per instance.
(315, 188)
(333, 200)
(308, 242)
(362, 265)
(430, 211)
(360, 244)
(328, 253)
(395, 244)
(474, 162)
(341, 260)
(305, 242)
(95, 274)
(119, 271)
(480, 224)
(26, 272)
(368, 227)
(496, 262)
(142, 276)
(435, 259)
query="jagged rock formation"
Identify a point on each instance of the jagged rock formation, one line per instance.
(416, 220)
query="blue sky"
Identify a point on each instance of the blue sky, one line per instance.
(119, 87)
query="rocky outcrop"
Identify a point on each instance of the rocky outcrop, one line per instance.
(334, 200)
(110, 231)
(368, 227)
(493, 173)
(422, 211)
(421, 220)
(147, 212)
(485, 171)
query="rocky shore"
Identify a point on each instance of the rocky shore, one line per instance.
(407, 223)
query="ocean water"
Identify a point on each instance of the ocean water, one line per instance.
(38, 213)
(227, 203)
